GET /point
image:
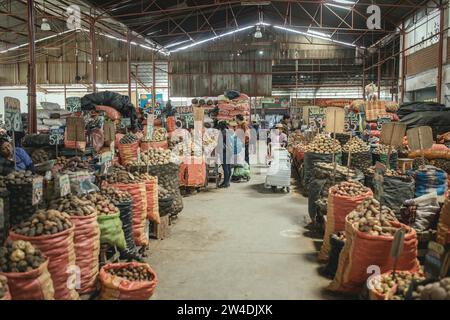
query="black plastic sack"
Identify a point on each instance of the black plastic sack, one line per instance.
(308, 163)
(232, 94)
(20, 202)
(4, 216)
(315, 193)
(418, 106)
(36, 140)
(336, 246)
(114, 100)
(165, 206)
(396, 190)
(168, 178)
(126, 216)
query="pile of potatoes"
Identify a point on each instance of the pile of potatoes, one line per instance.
(155, 156)
(39, 156)
(73, 205)
(159, 134)
(324, 145)
(116, 196)
(388, 173)
(433, 291)
(386, 283)
(102, 203)
(356, 145)
(339, 169)
(350, 189)
(3, 286)
(368, 217)
(129, 138)
(120, 175)
(132, 273)
(72, 164)
(20, 256)
(384, 149)
(44, 222)
(20, 177)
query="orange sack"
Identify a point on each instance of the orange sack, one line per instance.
(138, 192)
(362, 250)
(192, 172)
(338, 208)
(60, 250)
(110, 112)
(33, 285)
(151, 187)
(87, 250)
(145, 145)
(128, 152)
(117, 288)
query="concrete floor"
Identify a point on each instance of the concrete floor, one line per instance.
(240, 243)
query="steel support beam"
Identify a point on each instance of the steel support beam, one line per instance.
(129, 62)
(379, 73)
(403, 74)
(440, 54)
(92, 39)
(32, 117)
(153, 83)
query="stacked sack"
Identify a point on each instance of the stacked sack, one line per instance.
(443, 229)
(51, 116)
(230, 108)
(369, 232)
(421, 213)
(430, 179)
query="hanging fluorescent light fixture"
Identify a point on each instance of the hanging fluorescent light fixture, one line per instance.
(337, 6)
(211, 39)
(37, 41)
(176, 43)
(318, 33)
(258, 33)
(348, 44)
(345, 2)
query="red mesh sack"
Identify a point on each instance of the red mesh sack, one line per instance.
(60, 250)
(33, 285)
(111, 113)
(117, 288)
(128, 152)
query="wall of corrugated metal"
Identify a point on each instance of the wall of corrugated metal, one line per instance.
(422, 60)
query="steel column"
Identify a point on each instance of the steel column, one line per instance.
(92, 40)
(364, 79)
(32, 117)
(129, 62)
(379, 73)
(440, 54)
(153, 83)
(403, 75)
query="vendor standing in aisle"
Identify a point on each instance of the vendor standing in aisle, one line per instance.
(286, 123)
(227, 153)
(23, 160)
(242, 124)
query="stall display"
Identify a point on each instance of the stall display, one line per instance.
(26, 269)
(4, 290)
(430, 179)
(359, 153)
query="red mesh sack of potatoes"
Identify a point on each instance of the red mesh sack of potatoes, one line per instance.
(145, 145)
(32, 285)
(114, 287)
(362, 250)
(60, 250)
(339, 206)
(79, 145)
(128, 152)
(87, 250)
(138, 192)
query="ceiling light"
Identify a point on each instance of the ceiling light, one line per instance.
(45, 26)
(318, 33)
(337, 6)
(261, 52)
(255, 3)
(345, 2)
(258, 33)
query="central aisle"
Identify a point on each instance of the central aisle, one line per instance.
(241, 243)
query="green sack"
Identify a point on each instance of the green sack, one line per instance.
(111, 231)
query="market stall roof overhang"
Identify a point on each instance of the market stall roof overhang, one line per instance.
(177, 24)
